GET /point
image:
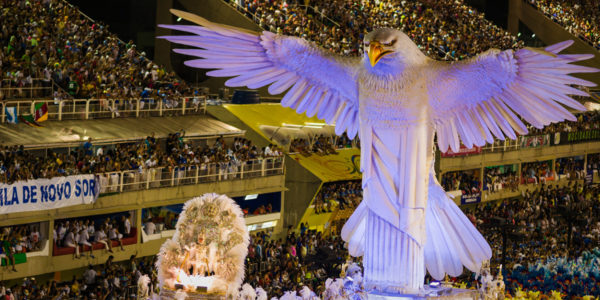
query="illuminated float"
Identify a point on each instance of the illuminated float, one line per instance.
(205, 257)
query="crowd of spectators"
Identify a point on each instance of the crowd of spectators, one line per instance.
(82, 232)
(466, 181)
(343, 194)
(319, 144)
(570, 167)
(110, 280)
(537, 172)
(20, 239)
(589, 120)
(446, 29)
(580, 17)
(593, 162)
(260, 210)
(52, 41)
(322, 145)
(550, 222)
(175, 152)
(160, 218)
(500, 178)
(306, 258)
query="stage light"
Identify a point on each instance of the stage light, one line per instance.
(292, 125)
(251, 197)
(315, 124)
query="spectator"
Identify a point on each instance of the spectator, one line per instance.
(115, 235)
(149, 227)
(84, 240)
(71, 240)
(125, 225)
(101, 237)
(90, 275)
(9, 250)
(87, 147)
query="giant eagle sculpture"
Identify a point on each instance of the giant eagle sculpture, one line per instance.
(397, 99)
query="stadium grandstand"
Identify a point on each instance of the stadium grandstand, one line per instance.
(102, 142)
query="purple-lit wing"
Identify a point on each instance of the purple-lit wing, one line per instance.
(318, 82)
(484, 97)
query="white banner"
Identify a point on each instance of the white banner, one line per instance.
(42, 194)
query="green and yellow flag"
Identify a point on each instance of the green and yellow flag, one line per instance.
(29, 120)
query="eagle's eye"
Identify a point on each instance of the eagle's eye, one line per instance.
(391, 43)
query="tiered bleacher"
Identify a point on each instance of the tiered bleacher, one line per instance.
(54, 41)
(338, 195)
(580, 17)
(448, 29)
(51, 51)
(148, 157)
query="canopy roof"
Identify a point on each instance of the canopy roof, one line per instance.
(74, 132)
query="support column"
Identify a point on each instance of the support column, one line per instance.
(51, 237)
(514, 14)
(138, 225)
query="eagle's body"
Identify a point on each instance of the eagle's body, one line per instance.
(397, 100)
(397, 152)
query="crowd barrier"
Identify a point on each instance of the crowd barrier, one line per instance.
(133, 180)
(541, 140)
(37, 87)
(85, 109)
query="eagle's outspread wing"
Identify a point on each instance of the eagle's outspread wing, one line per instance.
(484, 97)
(320, 82)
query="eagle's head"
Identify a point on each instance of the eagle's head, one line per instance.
(390, 47)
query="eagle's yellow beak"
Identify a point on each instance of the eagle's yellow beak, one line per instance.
(376, 52)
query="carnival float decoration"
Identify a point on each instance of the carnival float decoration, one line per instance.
(206, 254)
(402, 104)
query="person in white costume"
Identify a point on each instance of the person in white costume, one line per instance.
(397, 100)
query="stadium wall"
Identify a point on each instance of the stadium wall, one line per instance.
(449, 164)
(302, 186)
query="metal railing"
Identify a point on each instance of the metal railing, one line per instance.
(85, 109)
(133, 180)
(37, 88)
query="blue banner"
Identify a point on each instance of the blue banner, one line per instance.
(42, 194)
(472, 198)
